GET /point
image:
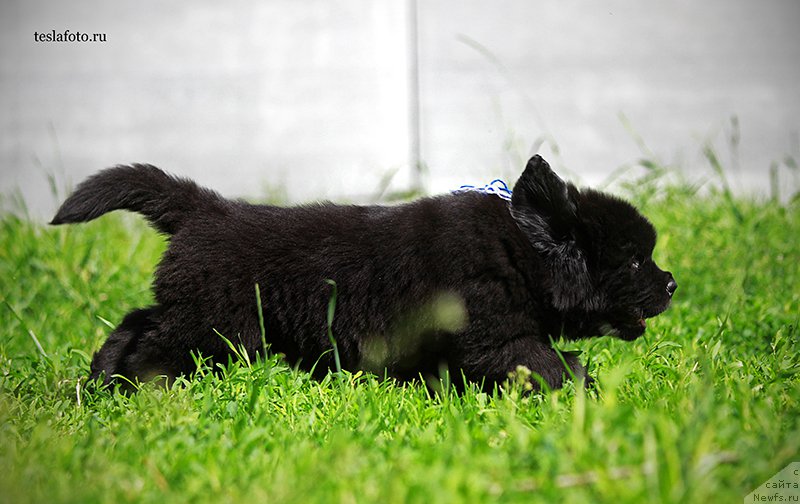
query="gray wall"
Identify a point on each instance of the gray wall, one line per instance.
(318, 96)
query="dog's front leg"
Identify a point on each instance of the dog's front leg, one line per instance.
(548, 364)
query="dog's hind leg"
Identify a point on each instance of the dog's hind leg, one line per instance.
(128, 352)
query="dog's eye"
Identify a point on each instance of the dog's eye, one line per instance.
(635, 265)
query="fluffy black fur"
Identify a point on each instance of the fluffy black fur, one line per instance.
(465, 280)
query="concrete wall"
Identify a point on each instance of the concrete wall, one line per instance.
(319, 96)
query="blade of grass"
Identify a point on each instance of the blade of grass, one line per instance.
(28, 329)
(261, 321)
(711, 156)
(331, 311)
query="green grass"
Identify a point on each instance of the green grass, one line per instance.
(702, 409)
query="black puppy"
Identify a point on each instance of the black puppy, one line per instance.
(466, 280)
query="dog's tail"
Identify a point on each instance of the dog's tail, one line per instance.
(166, 201)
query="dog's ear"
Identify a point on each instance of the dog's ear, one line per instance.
(539, 189)
(546, 210)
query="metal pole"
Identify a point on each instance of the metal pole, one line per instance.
(414, 121)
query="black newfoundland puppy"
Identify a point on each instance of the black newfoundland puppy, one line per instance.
(467, 281)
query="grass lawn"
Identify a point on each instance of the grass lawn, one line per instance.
(703, 408)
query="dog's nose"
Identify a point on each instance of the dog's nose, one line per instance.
(672, 285)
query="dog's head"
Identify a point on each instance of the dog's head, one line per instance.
(596, 252)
